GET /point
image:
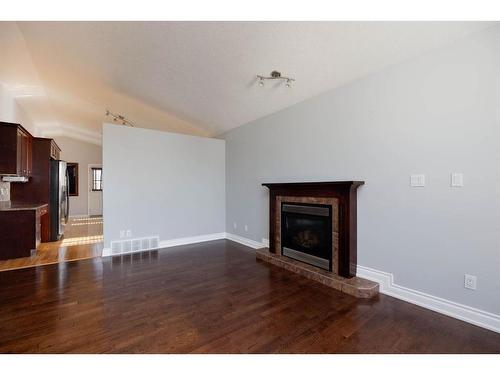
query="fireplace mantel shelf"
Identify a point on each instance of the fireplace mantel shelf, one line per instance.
(313, 184)
(309, 183)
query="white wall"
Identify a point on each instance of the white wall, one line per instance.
(158, 183)
(11, 111)
(83, 153)
(434, 115)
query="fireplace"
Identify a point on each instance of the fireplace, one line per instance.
(315, 223)
(312, 232)
(306, 233)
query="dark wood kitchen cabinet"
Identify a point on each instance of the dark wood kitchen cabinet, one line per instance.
(55, 151)
(38, 188)
(16, 150)
(20, 228)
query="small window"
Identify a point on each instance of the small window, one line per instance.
(96, 179)
(73, 179)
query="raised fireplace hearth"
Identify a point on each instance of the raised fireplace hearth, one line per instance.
(313, 232)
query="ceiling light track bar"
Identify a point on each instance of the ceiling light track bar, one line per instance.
(119, 118)
(275, 75)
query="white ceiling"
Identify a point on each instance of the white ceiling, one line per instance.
(197, 77)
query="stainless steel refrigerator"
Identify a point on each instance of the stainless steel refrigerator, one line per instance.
(59, 198)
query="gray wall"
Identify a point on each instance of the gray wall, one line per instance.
(158, 183)
(83, 153)
(434, 115)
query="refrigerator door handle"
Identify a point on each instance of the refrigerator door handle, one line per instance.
(67, 197)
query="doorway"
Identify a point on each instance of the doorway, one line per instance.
(95, 190)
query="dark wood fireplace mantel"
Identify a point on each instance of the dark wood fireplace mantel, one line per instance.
(346, 193)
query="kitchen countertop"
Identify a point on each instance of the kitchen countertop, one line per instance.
(20, 206)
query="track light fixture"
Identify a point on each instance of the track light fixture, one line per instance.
(274, 76)
(119, 118)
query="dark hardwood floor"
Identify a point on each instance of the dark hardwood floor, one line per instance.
(212, 297)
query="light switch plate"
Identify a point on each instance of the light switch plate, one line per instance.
(457, 179)
(470, 282)
(417, 180)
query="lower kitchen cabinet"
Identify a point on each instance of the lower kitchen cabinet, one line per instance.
(20, 230)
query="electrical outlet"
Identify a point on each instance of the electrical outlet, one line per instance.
(129, 233)
(470, 282)
(122, 233)
(235, 225)
(417, 180)
(457, 179)
(246, 228)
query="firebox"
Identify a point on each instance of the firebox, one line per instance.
(306, 233)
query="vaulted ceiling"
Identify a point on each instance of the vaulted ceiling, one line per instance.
(195, 77)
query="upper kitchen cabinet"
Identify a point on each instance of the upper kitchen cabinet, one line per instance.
(55, 151)
(16, 150)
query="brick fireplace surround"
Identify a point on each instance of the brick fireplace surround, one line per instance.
(342, 197)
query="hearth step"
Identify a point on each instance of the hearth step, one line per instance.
(354, 286)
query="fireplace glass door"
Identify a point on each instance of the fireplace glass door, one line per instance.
(306, 233)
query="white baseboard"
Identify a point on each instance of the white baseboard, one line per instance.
(77, 216)
(194, 239)
(175, 242)
(244, 241)
(106, 252)
(468, 314)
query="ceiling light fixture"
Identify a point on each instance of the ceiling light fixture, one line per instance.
(274, 76)
(119, 118)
